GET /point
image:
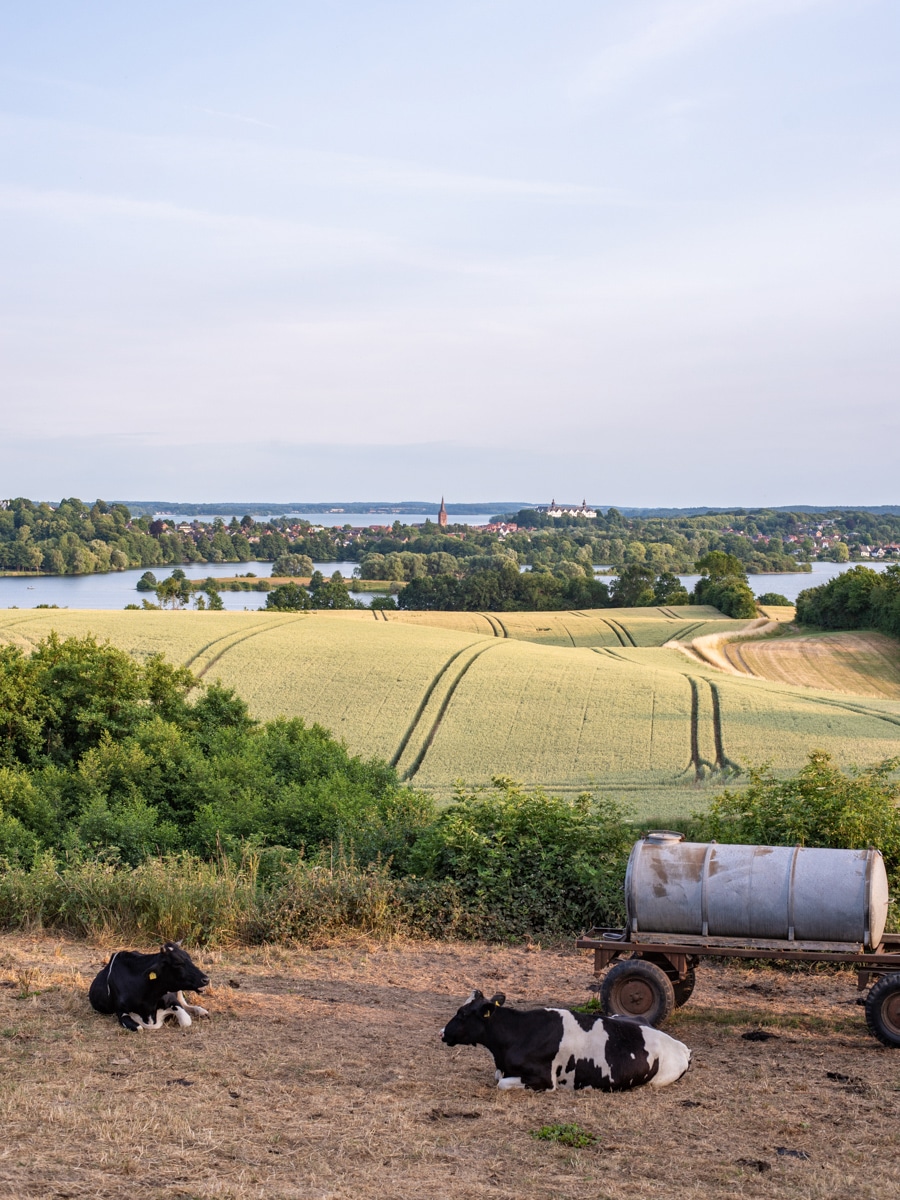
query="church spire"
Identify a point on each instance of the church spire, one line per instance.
(442, 514)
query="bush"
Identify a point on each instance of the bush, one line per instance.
(821, 806)
(527, 862)
(773, 600)
(729, 595)
(856, 599)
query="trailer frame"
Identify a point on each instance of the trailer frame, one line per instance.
(652, 991)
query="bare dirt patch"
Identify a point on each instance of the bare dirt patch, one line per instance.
(321, 1075)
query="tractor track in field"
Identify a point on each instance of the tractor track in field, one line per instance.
(498, 629)
(620, 636)
(235, 639)
(722, 762)
(428, 739)
(621, 631)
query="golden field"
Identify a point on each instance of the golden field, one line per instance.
(569, 701)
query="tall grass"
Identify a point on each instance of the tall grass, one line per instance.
(216, 903)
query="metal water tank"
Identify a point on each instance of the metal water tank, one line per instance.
(756, 893)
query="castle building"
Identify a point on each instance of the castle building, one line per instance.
(567, 510)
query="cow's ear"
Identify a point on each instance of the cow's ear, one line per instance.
(498, 999)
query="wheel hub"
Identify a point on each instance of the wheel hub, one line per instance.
(890, 1012)
(635, 997)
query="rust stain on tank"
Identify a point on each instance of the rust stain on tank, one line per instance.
(660, 891)
(658, 867)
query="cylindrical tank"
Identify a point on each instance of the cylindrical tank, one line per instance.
(761, 893)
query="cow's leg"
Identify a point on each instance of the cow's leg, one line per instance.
(128, 1022)
(191, 1008)
(510, 1081)
(159, 1018)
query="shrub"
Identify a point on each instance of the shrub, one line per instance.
(773, 600)
(856, 599)
(528, 862)
(821, 806)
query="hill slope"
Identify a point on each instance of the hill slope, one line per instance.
(565, 700)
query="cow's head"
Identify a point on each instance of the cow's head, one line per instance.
(469, 1026)
(177, 972)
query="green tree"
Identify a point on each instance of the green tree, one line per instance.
(724, 585)
(288, 597)
(288, 564)
(669, 589)
(330, 593)
(634, 587)
(173, 591)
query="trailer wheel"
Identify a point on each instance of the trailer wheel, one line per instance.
(638, 988)
(883, 1010)
(683, 988)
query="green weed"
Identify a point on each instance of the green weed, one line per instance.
(570, 1135)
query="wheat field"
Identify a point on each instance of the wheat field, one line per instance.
(861, 663)
(568, 701)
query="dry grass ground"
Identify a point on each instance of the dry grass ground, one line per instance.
(320, 1074)
(861, 664)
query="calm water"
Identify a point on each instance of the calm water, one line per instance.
(793, 583)
(117, 589)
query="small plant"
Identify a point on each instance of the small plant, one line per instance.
(590, 1006)
(565, 1135)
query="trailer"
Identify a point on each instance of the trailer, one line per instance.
(688, 901)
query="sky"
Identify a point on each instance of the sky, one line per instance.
(643, 253)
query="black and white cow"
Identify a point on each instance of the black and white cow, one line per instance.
(553, 1048)
(143, 989)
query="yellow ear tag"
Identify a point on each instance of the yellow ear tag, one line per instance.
(152, 975)
(487, 1014)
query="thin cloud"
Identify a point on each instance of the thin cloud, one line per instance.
(678, 29)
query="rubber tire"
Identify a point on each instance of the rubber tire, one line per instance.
(683, 988)
(883, 1010)
(638, 988)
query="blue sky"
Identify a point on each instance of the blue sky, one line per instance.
(643, 252)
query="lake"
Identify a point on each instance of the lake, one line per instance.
(792, 583)
(116, 589)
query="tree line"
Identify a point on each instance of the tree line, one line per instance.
(76, 538)
(859, 598)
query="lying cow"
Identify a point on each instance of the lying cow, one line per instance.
(143, 989)
(553, 1047)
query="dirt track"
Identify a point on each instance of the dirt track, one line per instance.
(321, 1075)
